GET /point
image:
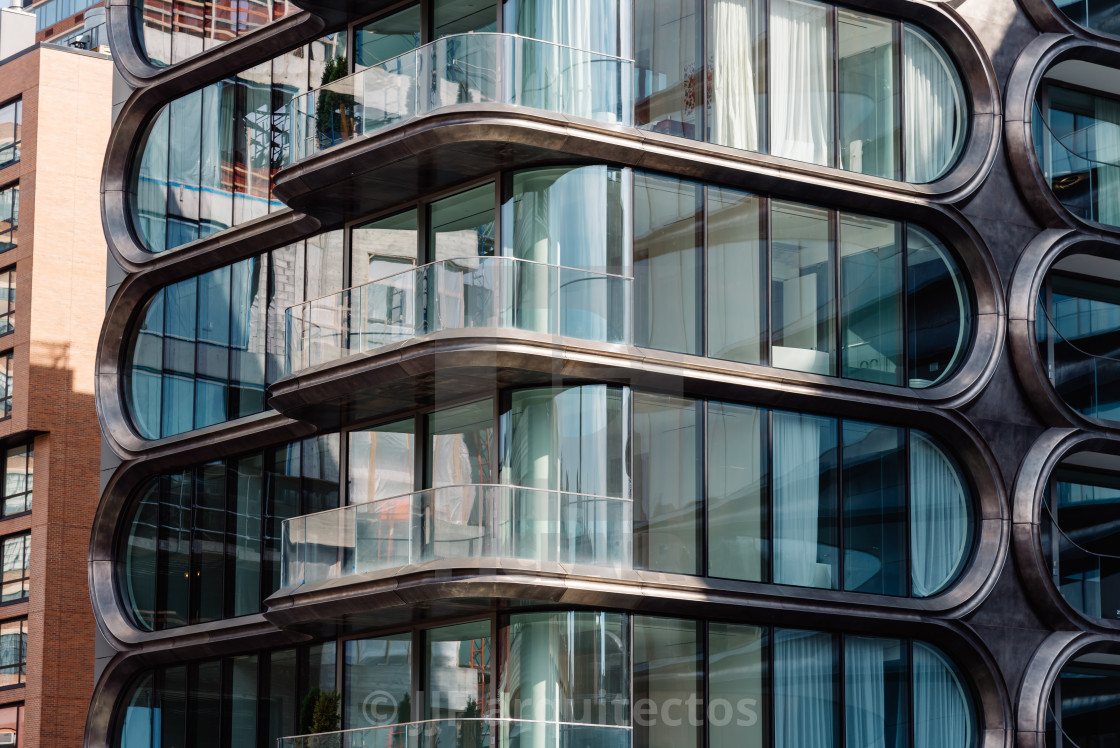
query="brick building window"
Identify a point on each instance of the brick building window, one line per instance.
(7, 302)
(19, 474)
(9, 217)
(5, 384)
(15, 565)
(13, 652)
(11, 724)
(11, 121)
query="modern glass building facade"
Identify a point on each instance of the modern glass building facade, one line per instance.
(623, 374)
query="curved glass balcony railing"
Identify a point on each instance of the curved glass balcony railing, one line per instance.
(1086, 185)
(1088, 382)
(461, 69)
(457, 522)
(469, 292)
(466, 732)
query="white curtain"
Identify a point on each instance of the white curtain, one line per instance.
(1106, 134)
(804, 698)
(797, 442)
(942, 715)
(566, 76)
(801, 77)
(865, 691)
(939, 517)
(735, 38)
(934, 110)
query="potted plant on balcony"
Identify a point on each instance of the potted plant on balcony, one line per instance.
(318, 714)
(334, 109)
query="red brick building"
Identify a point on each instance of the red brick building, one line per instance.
(54, 123)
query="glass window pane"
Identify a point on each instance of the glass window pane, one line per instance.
(463, 17)
(943, 708)
(248, 474)
(241, 701)
(806, 686)
(383, 247)
(381, 462)
(938, 310)
(462, 225)
(738, 686)
(579, 657)
(282, 478)
(869, 133)
(460, 446)
(934, 118)
(668, 682)
(175, 550)
(871, 301)
(736, 268)
(283, 710)
(457, 678)
(737, 73)
(141, 558)
(324, 268)
(204, 709)
(184, 165)
(320, 460)
(172, 722)
(668, 455)
(876, 712)
(737, 491)
(874, 509)
(387, 37)
(208, 541)
(247, 336)
(801, 118)
(568, 439)
(567, 216)
(378, 682)
(668, 67)
(667, 241)
(940, 517)
(805, 511)
(802, 303)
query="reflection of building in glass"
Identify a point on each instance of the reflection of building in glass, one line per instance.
(630, 375)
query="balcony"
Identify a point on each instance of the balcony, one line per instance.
(456, 294)
(466, 732)
(483, 68)
(457, 522)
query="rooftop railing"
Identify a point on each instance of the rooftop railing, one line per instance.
(470, 292)
(461, 69)
(1087, 186)
(457, 522)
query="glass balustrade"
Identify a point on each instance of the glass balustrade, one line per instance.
(471, 292)
(1087, 186)
(461, 69)
(457, 522)
(1088, 382)
(468, 733)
